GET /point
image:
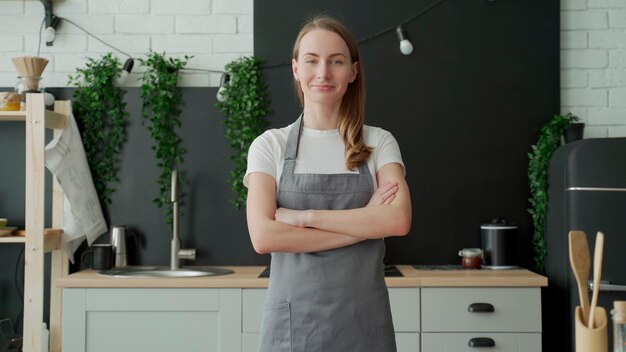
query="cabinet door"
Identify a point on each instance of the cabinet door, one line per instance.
(152, 320)
(481, 309)
(249, 342)
(253, 300)
(405, 309)
(460, 342)
(408, 341)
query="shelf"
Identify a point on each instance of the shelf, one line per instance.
(54, 120)
(12, 239)
(52, 239)
(12, 115)
(40, 240)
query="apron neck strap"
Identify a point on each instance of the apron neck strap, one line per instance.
(363, 168)
(293, 142)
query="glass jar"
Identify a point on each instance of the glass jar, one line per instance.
(471, 258)
(28, 84)
(10, 101)
(619, 326)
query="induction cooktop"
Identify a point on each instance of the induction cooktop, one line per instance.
(390, 271)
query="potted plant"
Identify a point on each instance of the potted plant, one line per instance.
(101, 111)
(245, 105)
(574, 132)
(538, 164)
(161, 100)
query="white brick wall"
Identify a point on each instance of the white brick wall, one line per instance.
(593, 64)
(214, 32)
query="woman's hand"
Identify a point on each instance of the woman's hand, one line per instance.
(291, 217)
(384, 195)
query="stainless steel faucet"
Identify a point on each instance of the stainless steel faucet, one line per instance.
(177, 253)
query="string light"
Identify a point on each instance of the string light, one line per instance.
(51, 22)
(406, 47)
(126, 70)
(50, 32)
(379, 33)
(222, 91)
(48, 99)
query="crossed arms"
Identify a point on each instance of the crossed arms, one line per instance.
(388, 213)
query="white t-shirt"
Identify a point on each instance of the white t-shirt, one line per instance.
(320, 152)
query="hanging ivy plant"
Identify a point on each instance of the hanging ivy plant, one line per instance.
(245, 106)
(161, 101)
(101, 111)
(539, 162)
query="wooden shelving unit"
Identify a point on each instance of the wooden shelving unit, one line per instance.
(37, 119)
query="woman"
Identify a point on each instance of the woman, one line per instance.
(311, 203)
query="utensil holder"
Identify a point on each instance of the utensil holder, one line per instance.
(596, 339)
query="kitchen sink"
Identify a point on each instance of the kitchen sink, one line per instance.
(164, 272)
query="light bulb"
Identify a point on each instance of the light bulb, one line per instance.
(221, 94)
(120, 80)
(48, 99)
(49, 34)
(126, 70)
(406, 47)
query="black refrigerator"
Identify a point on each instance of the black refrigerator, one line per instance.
(587, 192)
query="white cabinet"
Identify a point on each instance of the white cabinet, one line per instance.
(405, 309)
(229, 320)
(121, 319)
(464, 319)
(252, 315)
(405, 312)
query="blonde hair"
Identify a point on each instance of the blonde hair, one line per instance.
(352, 109)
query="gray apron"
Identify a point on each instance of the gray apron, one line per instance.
(334, 300)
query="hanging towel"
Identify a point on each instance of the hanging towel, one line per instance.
(82, 214)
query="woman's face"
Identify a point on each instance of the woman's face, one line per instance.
(323, 67)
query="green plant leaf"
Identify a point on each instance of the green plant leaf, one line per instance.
(246, 97)
(160, 112)
(99, 108)
(538, 164)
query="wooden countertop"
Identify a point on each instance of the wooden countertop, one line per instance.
(247, 277)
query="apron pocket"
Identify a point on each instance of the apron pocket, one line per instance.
(276, 329)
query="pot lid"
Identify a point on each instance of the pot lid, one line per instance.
(498, 224)
(471, 252)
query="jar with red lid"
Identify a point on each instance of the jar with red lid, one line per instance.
(471, 258)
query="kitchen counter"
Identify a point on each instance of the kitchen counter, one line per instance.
(247, 277)
(429, 308)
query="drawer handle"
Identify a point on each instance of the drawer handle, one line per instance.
(480, 308)
(481, 342)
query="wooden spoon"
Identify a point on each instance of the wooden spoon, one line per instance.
(597, 272)
(579, 260)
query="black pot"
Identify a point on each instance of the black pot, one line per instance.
(499, 239)
(574, 132)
